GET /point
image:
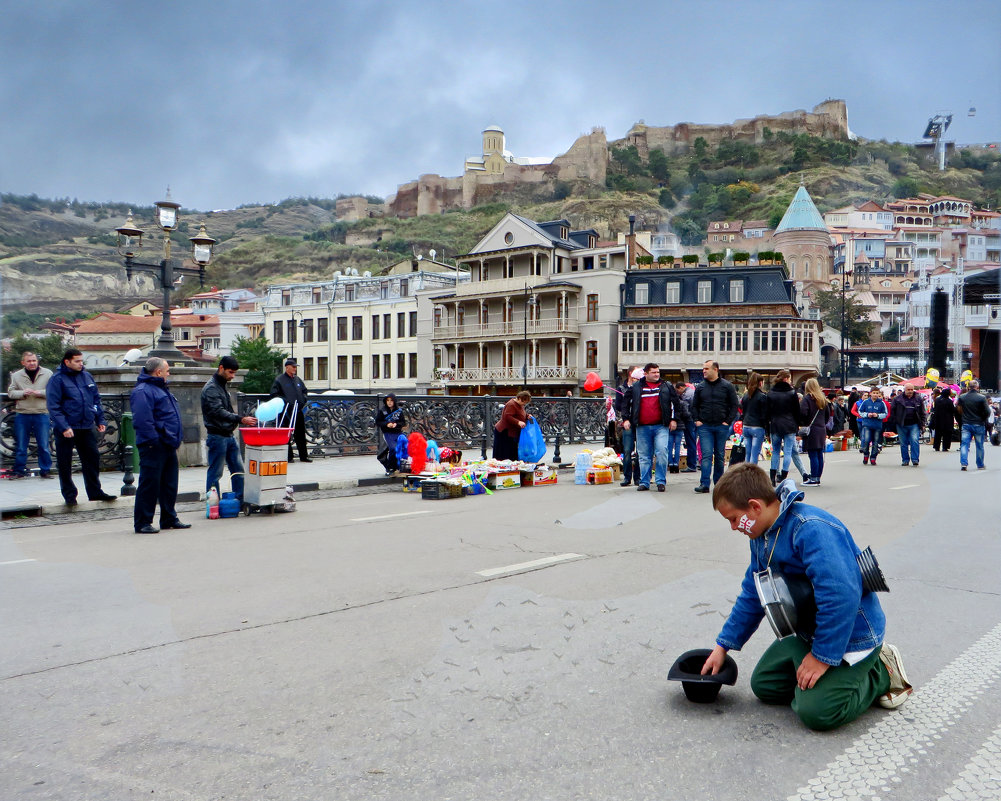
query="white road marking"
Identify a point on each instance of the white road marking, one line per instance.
(868, 768)
(905, 486)
(975, 781)
(386, 517)
(523, 566)
(16, 562)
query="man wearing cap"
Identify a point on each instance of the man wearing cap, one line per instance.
(289, 387)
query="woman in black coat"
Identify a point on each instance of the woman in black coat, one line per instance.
(390, 421)
(783, 420)
(943, 418)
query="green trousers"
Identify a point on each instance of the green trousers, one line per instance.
(839, 696)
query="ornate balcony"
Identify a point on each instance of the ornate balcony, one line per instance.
(483, 375)
(511, 330)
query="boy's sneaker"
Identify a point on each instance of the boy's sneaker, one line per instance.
(900, 689)
(873, 461)
(865, 460)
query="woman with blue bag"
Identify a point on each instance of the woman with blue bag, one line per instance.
(390, 422)
(507, 430)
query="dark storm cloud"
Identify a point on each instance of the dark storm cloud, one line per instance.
(234, 103)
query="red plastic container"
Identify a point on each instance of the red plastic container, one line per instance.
(266, 436)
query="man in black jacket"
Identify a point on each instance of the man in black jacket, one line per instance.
(220, 423)
(290, 388)
(651, 409)
(973, 411)
(714, 407)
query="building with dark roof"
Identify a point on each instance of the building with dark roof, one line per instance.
(747, 319)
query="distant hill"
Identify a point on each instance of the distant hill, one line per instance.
(60, 254)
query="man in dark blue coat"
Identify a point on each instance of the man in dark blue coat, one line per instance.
(74, 405)
(156, 418)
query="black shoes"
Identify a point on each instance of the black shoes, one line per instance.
(306, 460)
(175, 524)
(626, 483)
(701, 490)
(689, 470)
(73, 501)
(148, 529)
(661, 488)
(105, 497)
(645, 488)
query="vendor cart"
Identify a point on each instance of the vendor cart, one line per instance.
(266, 470)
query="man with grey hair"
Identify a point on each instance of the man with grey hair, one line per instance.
(156, 418)
(27, 390)
(972, 411)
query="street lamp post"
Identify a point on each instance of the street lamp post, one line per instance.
(130, 241)
(529, 304)
(845, 286)
(292, 338)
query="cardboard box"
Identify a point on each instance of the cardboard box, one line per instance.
(538, 477)
(508, 479)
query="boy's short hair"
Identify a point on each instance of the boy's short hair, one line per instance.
(229, 363)
(741, 483)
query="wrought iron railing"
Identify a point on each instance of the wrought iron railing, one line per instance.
(342, 426)
(109, 444)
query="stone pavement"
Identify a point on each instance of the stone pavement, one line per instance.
(37, 496)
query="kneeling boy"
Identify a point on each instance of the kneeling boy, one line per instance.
(833, 675)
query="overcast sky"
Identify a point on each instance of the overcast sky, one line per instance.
(242, 102)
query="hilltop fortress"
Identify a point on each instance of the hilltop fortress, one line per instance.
(496, 172)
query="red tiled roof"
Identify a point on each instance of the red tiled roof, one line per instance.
(111, 323)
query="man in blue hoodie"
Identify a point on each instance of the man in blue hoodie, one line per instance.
(156, 418)
(835, 670)
(74, 405)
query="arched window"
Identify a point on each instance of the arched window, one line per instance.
(792, 268)
(806, 269)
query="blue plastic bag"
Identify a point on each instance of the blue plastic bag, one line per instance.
(531, 444)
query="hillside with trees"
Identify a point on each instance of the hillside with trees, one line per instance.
(59, 254)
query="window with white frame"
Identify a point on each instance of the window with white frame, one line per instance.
(642, 294)
(705, 292)
(737, 290)
(673, 292)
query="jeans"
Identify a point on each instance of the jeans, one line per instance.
(690, 439)
(157, 484)
(786, 443)
(816, 463)
(910, 436)
(869, 441)
(26, 425)
(650, 441)
(674, 446)
(977, 433)
(224, 449)
(629, 471)
(754, 438)
(712, 441)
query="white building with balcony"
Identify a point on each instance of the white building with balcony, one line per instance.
(540, 311)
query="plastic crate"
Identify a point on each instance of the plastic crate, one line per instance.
(435, 491)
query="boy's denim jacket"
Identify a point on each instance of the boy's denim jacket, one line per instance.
(810, 541)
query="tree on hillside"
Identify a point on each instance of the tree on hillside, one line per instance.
(261, 361)
(857, 324)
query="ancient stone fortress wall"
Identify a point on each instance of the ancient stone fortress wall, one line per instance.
(587, 159)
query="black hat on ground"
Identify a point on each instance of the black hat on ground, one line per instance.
(698, 688)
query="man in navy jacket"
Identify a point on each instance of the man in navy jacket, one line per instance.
(74, 405)
(156, 418)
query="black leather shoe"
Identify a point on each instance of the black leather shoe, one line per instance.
(701, 490)
(306, 460)
(105, 497)
(176, 524)
(642, 488)
(148, 529)
(661, 488)
(70, 501)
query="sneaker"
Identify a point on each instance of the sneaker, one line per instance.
(872, 461)
(905, 464)
(701, 490)
(865, 460)
(812, 482)
(642, 488)
(963, 468)
(914, 464)
(626, 483)
(47, 475)
(661, 488)
(689, 470)
(900, 688)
